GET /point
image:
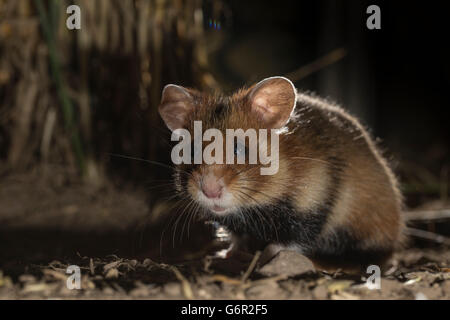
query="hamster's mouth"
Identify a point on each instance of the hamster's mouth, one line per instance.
(224, 205)
(218, 208)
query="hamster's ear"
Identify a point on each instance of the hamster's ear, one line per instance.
(273, 99)
(176, 104)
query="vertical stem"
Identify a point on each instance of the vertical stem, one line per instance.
(48, 27)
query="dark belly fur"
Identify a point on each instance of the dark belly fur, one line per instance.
(281, 224)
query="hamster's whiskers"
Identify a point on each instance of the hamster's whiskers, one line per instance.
(244, 196)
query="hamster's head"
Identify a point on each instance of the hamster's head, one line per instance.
(206, 154)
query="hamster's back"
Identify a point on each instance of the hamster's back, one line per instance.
(364, 223)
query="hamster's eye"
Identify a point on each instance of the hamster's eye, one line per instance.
(239, 149)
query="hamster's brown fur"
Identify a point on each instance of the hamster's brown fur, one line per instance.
(334, 197)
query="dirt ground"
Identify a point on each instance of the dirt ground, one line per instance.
(48, 222)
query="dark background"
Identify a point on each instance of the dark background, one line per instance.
(396, 79)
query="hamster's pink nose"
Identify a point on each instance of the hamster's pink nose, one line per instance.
(211, 187)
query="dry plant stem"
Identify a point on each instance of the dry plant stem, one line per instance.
(427, 215)
(47, 24)
(24, 113)
(251, 267)
(427, 235)
(318, 64)
(187, 290)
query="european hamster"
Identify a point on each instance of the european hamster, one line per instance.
(333, 198)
